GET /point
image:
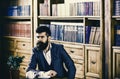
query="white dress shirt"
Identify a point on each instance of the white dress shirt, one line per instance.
(47, 55)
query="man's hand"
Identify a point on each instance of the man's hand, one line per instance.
(52, 73)
(31, 74)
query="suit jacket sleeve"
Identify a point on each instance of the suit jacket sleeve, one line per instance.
(69, 64)
(33, 62)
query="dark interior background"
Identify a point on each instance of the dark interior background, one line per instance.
(3, 67)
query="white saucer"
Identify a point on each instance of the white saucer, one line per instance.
(45, 77)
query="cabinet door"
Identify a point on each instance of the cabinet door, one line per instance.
(116, 63)
(92, 62)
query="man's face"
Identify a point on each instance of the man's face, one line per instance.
(43, 40)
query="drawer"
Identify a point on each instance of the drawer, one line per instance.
(78, 61)
(23, 70)
(75, 52)
(91, 78)
(79, 70)
(24, 45)
(24, 51)
(27, 57)
(90, 75)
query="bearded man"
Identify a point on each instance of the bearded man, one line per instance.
(52, 60)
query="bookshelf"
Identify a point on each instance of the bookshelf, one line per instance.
(84, 23)
(112, 46)
(80, 30)
(18, 31)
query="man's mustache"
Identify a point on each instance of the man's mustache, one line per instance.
(42, 45)
(39, 42)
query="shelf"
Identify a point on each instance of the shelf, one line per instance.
(116, 47)
(93, 45)
(68, 17)
(66, 42)
(74, 43)
(116, 17)
(17, 37)
(19, 17)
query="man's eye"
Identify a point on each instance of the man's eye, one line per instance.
(37, 36)
(40, 36)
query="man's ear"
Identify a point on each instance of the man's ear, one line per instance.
(49, 38)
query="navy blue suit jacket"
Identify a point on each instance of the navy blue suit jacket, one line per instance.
(58, 57)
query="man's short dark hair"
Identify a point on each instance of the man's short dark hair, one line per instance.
(41, 29)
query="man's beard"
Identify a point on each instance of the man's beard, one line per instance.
(41, 45)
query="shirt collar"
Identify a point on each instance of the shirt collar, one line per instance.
(49, 48)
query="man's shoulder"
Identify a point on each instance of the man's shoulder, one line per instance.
(56, 45)
(35, 49)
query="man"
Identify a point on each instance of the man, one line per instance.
(51, 58)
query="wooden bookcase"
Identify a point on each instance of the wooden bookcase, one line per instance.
(88, 57)
(87, 54)
(18, 31)
(112, 47)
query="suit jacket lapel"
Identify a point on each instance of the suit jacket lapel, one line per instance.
(53, 57)
(42, 59)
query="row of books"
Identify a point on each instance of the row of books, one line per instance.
(74, 32)
(18, 29)
(85, 8)
(92, 35)
(19, 8)
(44, 8)
(76, 9)
(117, 35)
(117, 7)
(67, 31)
